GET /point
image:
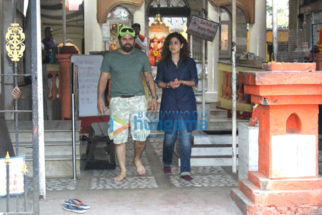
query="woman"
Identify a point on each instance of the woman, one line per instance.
(177, 75)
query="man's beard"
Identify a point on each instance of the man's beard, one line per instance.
(127, 47)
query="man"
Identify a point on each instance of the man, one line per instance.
(49, 46)
(141, 42)
(127, 105)
(49, 49)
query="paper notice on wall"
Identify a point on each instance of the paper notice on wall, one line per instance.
(202, 28)
(16, 176)
(88, 72)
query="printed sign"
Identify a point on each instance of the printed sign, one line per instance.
(16, 176)
(88, 70)
(203, 28)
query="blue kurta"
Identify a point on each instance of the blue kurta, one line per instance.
(179, 103)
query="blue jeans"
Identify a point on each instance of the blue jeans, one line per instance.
(185, 139)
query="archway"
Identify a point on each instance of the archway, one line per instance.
(116, 18)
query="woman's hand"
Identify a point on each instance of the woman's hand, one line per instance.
(174, 84)
(188, 83)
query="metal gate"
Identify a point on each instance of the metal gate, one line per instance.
(19, 182)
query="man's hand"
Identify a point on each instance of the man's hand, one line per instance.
(154, 105)
(100, 92)
(101, 106)
(150, 81)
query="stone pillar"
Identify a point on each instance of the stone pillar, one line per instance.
(213, 57)
(287, 180)
(257, 31)
(65, 81)
(139, 17)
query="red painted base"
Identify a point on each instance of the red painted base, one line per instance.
(261, 195)
(87, 121)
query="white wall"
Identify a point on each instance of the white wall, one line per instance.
(92, 29)
(139, 17)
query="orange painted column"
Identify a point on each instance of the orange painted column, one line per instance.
(287, 181)
(66, 84)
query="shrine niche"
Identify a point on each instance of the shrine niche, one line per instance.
(165, 17)
(247, 6)
(104, 7)
(158, 31)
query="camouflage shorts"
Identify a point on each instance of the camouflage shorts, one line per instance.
(128, 113)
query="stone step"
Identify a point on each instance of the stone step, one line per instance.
(58, 146)
(211, 161)
(219, 125)
(48, 143)
(49, 125)
(241, 200)
(217, 113)
(211, 150)
(54, 130)
(50, 150)
(26, 136)
(204, 138)
(55, 158)
(57, 168)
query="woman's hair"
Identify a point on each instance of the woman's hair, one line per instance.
(184, 52)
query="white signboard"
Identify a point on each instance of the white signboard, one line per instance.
(203, 28)
(88, 70)
(16, 176)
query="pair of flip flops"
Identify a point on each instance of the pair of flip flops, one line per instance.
(76, 206)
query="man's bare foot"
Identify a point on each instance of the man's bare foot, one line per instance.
(139, 167)
(120, 177)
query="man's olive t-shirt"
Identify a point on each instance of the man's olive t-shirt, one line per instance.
(126, 72)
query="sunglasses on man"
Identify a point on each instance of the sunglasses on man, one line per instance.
(126, 31)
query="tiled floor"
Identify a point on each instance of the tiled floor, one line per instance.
(103, 179)
(56, 184)
(203, 176)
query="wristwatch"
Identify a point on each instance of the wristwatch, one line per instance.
(154, 97)
(168, 85)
